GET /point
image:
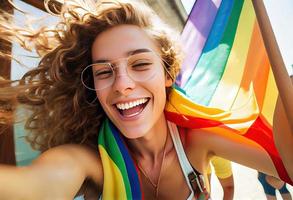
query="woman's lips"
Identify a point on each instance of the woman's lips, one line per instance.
(132, 108)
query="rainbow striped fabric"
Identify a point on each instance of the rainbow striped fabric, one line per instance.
(121, 180)
(226, 86)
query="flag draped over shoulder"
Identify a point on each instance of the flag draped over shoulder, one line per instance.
(226, 84)
(121, 180)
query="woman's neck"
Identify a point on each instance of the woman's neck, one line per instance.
(151, 146)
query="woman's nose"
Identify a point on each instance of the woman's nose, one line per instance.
(123, 82)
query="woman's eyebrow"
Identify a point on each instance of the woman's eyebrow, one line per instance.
(100, 61)
(136, 51)
(129, 53)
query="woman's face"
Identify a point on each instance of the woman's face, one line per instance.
(134, 106)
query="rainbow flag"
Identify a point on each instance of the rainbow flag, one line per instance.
(226, 85)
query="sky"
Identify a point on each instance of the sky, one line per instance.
(281, 16)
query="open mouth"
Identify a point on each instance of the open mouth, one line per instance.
(132, 108)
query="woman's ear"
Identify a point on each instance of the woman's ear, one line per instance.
(168, 81)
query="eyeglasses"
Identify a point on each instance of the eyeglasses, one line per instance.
(140, 67)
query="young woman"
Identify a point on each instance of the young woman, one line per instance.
(114, 61)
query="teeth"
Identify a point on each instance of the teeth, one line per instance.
(128, 105)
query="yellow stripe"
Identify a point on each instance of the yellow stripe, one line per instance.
(113, 187)
(229, 85)
(239, 119)
(180, 104)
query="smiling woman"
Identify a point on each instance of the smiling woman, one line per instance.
(97, 99)
(132, 84)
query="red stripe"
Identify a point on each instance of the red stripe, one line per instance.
(259, 132)
(190, 121)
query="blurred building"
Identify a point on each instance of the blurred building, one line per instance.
(171, 11)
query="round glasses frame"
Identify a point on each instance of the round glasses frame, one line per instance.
(90, 76)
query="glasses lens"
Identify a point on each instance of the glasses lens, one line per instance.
(141, 67)
(97, 76)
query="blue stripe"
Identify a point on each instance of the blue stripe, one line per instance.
(131, 170)
(219, 25)
(202, 75)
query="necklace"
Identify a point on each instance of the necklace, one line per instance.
(155, 185)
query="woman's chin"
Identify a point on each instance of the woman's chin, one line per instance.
(133, 133)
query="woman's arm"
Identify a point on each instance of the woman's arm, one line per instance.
(232, 147)
(56, 174)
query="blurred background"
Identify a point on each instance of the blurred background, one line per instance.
(16, 151)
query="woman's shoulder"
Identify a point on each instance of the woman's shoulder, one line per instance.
(194, 138)
(196, 145)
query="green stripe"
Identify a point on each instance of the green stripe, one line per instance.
(107, 140)
(211, 66)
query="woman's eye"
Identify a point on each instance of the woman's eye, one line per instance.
(103, 74)
(141, 65)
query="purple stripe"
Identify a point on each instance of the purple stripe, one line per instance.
(195, 34)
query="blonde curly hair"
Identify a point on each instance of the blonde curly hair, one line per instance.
(60, 112)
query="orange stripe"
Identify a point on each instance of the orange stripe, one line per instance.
(263, 68)
(253, 84)
(270, 98)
